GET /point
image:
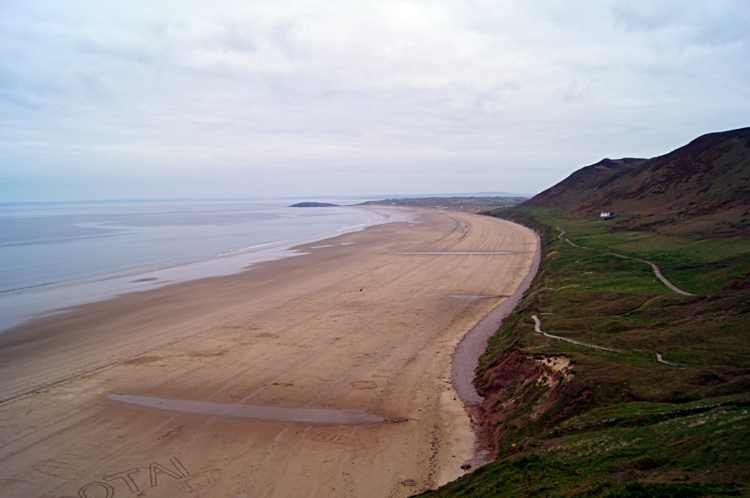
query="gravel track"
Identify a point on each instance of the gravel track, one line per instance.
(659, 357)
(656, 269)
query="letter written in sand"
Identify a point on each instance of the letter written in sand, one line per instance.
(125, 476)
(84, 491)
(176, 471)
(155, 469)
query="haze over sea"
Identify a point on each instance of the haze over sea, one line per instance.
(59, 255)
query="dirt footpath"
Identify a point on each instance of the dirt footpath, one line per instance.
(357, 335)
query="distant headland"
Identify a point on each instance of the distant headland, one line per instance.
(312, 205)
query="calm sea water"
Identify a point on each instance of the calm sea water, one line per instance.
(54, 256)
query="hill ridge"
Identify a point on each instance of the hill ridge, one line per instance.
(708, 176)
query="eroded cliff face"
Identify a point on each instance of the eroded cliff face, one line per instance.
(523, 391)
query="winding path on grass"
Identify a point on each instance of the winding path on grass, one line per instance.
(657, 271)
(659, 357)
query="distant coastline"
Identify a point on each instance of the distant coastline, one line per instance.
(469, 204)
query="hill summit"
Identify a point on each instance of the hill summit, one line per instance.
(705, 183)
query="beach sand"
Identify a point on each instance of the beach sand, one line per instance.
(359, 334)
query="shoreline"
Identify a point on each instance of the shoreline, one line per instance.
(364, 322)
(23, 305)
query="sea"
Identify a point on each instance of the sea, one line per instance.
(54, 256)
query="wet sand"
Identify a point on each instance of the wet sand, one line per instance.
(353, 329)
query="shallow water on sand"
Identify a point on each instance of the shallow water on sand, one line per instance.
(54, 256)
(455, 253)
(309, 415)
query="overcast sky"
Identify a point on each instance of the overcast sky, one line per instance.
(165, 99)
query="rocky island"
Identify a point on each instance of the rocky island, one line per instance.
(312, 205)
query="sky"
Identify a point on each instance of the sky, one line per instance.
(253, 98)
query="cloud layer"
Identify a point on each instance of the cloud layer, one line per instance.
(228, 99)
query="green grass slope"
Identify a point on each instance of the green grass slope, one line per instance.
(571, 420)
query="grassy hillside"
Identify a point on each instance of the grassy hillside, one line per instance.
(702, 188)
(570, 420)
(601, 416)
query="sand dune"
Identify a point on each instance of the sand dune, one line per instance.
(362, 326)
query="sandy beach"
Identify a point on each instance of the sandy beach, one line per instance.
(326, 374)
